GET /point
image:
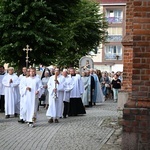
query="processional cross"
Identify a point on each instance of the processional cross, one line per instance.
(27, 49)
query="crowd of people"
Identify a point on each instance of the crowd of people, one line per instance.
(65, 92)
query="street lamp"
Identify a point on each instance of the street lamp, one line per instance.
(27, 49)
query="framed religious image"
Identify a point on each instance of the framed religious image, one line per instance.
(85, 63)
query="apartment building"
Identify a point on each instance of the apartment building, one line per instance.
(109, 56)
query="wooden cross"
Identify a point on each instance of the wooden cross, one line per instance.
(27, 49)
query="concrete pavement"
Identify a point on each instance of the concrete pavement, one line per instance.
(97, 130)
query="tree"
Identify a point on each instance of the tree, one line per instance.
(25, 22)
(84, 29)
(58, 31)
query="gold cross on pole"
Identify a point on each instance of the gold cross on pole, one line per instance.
(27, 49)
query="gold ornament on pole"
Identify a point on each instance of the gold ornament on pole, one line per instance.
(27, 49)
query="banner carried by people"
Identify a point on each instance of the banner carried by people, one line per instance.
(85, 63)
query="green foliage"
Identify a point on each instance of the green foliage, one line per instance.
(84, 29)
(59, 31)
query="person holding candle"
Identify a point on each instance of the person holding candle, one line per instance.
(54, 111)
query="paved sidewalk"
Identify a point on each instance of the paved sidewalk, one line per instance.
(97, 130)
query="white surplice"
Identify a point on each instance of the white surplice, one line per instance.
(32, 99)
(78, 87)
(55, 108)
(67, 86)
(21, 76)
(12, 102)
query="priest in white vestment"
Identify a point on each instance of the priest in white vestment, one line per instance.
(23, 101)
(54, 111)
(11, 84)
(33, 92)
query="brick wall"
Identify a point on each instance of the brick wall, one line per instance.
(141, 49)
(136, 114)
(128, 50)
(137, 50)
(136, 129)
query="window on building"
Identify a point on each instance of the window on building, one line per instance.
(114, 34)
(113, 52)
(114, 15)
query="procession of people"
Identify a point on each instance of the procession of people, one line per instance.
(65, 92)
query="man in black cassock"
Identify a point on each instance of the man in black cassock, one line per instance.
(76, 106)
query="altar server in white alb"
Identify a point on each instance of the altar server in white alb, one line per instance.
(23, 99)
(11, 84)
(34, 90)
(55, 97)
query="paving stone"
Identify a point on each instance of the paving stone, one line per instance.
(92, 131)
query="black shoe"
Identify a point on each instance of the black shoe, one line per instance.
(21, 121)
(31, 124)
(56, 121)
(90, 104)
(50, 120)
(64, 116)
(15, 115)
(7, 116)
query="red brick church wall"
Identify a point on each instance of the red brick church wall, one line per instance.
(136, 114)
